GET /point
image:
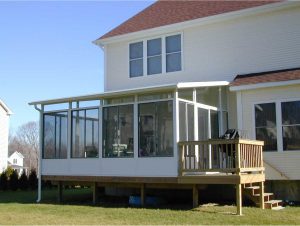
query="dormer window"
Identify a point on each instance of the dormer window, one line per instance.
(155, 56)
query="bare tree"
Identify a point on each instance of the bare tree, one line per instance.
(26, 141)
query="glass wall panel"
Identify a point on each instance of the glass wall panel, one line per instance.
(155, 96)
(156, 129)
(202, 124)
(214, 124)
(291, 125)
(186, 122)
(265, 125)
(183, 126)
(118, 131)
(208, 96)
(55, 135)
(85, 133)
(119, 100)
(186, 94)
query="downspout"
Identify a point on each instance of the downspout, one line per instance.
(40, 110)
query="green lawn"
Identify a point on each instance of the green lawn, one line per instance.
(19, 208)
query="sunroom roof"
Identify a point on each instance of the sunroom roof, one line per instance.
(140, 90)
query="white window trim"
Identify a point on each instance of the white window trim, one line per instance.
(278, 113)
(163, 55)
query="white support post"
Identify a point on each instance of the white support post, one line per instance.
(40, 153)
(100, 130)
(196, 136)
(135, 128)
(221, 129)
(176, 127)
(69, 130)
(209, 137)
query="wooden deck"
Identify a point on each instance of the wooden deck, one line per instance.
(238, 162)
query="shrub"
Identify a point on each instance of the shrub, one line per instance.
(32, 180)
(14, 181)
(9, 171)
(23, 181)
(3, 181)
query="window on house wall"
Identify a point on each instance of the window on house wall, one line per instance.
(136, 59)
(154, 63)
(161, 55)
(55, 135)
(85, 133)
(265, 125)
(173, 53)
(118, 131)
(15, 161)
(156, 129)
(290, 112)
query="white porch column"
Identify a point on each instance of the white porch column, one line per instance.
(40, 152)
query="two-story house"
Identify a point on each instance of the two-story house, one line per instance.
(185, 71)
(16, 162)
(4, 124)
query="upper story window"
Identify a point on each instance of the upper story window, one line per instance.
(173, 53)
(136, 59)
(155, 56)
(154, 63)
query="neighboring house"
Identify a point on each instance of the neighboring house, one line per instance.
(183, 71)
(4, 124)
(16, 162)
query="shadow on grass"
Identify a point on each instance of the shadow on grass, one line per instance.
(83, 197)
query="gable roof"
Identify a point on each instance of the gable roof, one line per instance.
(19, 154)
(269, 76)
(3, 105)
(163, 13)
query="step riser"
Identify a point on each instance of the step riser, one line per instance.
(253, 193)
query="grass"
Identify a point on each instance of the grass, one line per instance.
(19, 208)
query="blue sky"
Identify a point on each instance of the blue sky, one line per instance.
(46, 50)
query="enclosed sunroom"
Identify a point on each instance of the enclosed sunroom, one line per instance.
(129, 132)
(151, 136)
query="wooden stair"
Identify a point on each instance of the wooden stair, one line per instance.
(251, 191)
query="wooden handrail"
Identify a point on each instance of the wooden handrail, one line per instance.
(234, 156)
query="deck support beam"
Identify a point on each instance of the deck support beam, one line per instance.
(95, 193)
(195, 196)
(239, 199)
(262, 195)
(59, 191)
(143, 195)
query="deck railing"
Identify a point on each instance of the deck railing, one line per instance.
(222, 156)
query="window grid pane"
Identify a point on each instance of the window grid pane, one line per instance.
(55, 135)
(265, 125)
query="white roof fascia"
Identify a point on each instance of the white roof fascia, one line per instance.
(4, 106)
(264, 85)
(197, 22)
(201, 84)
(127, 92)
